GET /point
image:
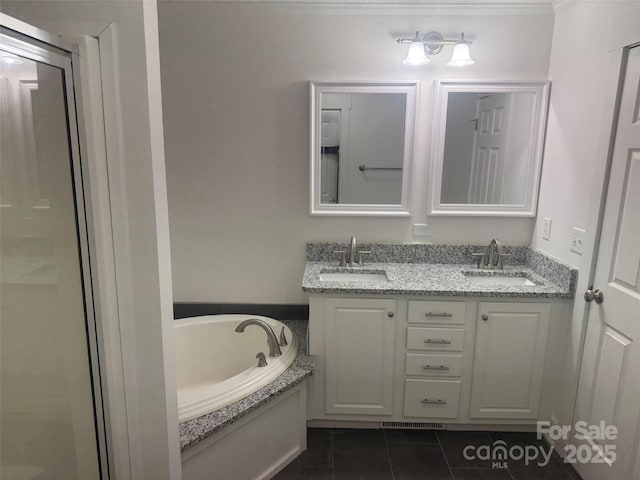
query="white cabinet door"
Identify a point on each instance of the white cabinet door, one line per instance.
(359, 349)
(511, 340)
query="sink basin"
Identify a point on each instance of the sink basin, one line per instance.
(354, 276)
(502, 280)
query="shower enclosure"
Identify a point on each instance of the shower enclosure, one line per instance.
(51, 414)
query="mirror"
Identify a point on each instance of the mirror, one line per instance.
(361, 147)
(487, 148)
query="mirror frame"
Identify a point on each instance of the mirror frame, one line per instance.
(410, 89)
(540, 89)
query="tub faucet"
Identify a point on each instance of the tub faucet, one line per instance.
(272, 340)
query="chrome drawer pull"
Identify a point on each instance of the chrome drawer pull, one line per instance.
(439, 341)
(429, 401)
(436, 367)
(443, 314)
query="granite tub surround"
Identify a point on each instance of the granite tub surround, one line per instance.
(439, 270)
(194, 431)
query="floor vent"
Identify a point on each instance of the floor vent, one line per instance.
(414, 425)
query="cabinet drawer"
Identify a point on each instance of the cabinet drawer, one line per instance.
(437, 312)
(432, 364)
(435, 338)
(431, 398)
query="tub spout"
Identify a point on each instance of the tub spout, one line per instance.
(283, 338)
(272, 340)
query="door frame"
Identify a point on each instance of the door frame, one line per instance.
(137, 445)
(624, 37)
(37, 45)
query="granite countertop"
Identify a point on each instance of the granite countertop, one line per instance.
(194, 431)
(429, 279)
(439, 270)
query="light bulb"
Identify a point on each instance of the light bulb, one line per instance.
(460, 57)
(416, 56)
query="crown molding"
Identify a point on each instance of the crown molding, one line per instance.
(560, 4)
(404, 7)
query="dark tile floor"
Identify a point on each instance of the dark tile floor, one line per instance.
(352, 454)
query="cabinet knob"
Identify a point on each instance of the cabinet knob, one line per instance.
(485, 317)
(390, 314)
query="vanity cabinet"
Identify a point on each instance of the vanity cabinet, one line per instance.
(508, 368)
(460, 361)
(359, 354)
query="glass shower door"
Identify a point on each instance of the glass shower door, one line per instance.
(50, 409)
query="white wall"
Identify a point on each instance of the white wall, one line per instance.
(236, 107)
(140, 229)
(578, 70)
(574, 161)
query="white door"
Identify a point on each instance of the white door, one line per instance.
(487, 166)
(609, 388)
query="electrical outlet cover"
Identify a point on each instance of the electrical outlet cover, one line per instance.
(577, 240)
(421, 230)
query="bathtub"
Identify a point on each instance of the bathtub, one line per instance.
(215, 366)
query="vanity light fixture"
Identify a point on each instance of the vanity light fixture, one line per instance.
(432, 44)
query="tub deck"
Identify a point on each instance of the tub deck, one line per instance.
(194, 431)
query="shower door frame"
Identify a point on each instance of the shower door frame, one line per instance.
(34, 44)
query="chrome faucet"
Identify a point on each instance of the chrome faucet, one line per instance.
(493, 257)
(495, 254)
(272, 340)
(353, 253)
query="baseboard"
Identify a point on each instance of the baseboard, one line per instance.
(469, 427)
